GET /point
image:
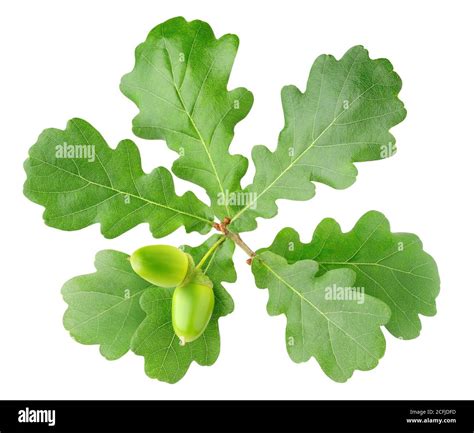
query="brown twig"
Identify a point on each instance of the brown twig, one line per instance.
(222, 227)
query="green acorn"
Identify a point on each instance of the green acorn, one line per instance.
(191, 309)
(162, 265)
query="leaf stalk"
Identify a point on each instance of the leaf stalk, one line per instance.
(210, 251)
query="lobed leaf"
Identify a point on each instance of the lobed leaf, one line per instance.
(81, 181)
(342, 334)
(104, 307)
(118, 310)
(179, 83)
(392, 267)
(155, 340)
(344, 116)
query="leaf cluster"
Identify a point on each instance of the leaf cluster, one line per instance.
(337, 291)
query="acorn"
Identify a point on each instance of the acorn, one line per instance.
(162, 265)
(191, 310)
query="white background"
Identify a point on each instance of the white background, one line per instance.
(65, 59)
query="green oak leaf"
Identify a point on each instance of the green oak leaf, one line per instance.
(179, 84)
(80, 181)
(390, 266)
(342, 334)
(104, 307)
(344, 116)
(155, 340)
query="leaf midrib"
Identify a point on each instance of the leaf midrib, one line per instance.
(293, 162)
(193, 123)
(138, 197)
(121, 302)
(294, 290)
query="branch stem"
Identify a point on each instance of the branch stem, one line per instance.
(238, 241)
